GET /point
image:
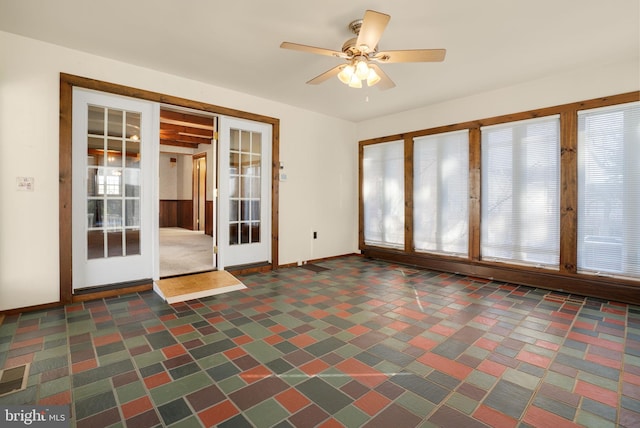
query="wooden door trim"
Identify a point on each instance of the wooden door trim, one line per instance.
(67, 83)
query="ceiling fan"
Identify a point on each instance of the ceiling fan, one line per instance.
(362, 55)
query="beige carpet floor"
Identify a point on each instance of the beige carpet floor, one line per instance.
(184, 251)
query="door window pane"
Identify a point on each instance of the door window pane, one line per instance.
(441, 193)
(609, 190)
(383, 194)
(244, 186)
(113, 182)
(521, 192)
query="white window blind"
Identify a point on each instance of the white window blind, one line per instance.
(521, 192)
(609, 190)
(383, 194)
(441, 193)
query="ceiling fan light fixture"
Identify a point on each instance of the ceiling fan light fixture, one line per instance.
(355, 82)
(346, 74)
(372, 78)
(362, 69)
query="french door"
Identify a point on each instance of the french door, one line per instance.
(244, 204)
(114, 155)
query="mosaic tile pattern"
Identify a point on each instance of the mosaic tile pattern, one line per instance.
(362, 344)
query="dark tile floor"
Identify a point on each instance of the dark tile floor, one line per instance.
(364, 343)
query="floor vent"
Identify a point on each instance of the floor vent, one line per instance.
(13, 379)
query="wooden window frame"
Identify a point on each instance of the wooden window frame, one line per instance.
(67, 83)
(566, 279)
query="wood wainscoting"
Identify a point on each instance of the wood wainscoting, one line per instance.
(208, 213)
(176, 213)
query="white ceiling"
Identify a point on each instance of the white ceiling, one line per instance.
(235, 44)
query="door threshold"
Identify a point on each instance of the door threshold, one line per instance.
(111, 287)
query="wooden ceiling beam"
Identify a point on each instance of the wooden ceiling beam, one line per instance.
(169, 127)
(168, 142)
(186, 119)
(184, 138)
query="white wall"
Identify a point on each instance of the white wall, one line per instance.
(168, 176)
(313, 198)
(577, 85)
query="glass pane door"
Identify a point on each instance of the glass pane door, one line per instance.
(113, 187)
(245, 193)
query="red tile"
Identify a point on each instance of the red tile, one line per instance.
(493, 418)
(155, 328)
(105, 340)
(168, 317)
(534, 359)
(182, 329)
(263, 308)
(450, 367)
(410, 313)
(361, 372)
(484, 320)
(292, 400)
(314, 367)
(358, 330)
(547, 345)
(537, 417)
(584, 325)
(372, 402)
(234, 353)
(174, 350)
(319, 313)
(398, 325)
(25, 343)
(315, 299)
(440, 329)
(331, 423)
(218, 413)
(376, 303)
(136, 407)
(302, 340)
(487, 344)
(84, 365)
(603, 361)
(278, 328)
(631, 378)
(597, 393)
(343, 314)
(492, 368)
(157, 380)
(423, 343)
(60, 399)
(273, 339)
(255, 374)
(241, 340)
(344, 306)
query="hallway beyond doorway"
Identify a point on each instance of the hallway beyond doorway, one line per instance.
(184, 251)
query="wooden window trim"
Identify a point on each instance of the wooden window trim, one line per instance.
(566, 278)
(67, 82)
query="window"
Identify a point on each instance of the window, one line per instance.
(441, 193)
(383, 194)
(520, 192)
(609, 190)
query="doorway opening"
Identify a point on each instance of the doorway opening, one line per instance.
(187, 181)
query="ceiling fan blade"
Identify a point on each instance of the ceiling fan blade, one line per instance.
(326, 75)
(385, 81)
(312, 49)
(373, 25)
(411, 55)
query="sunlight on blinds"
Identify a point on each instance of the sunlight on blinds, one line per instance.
(441, 193)
(609, 190)
(521, 192)
(383, 194)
